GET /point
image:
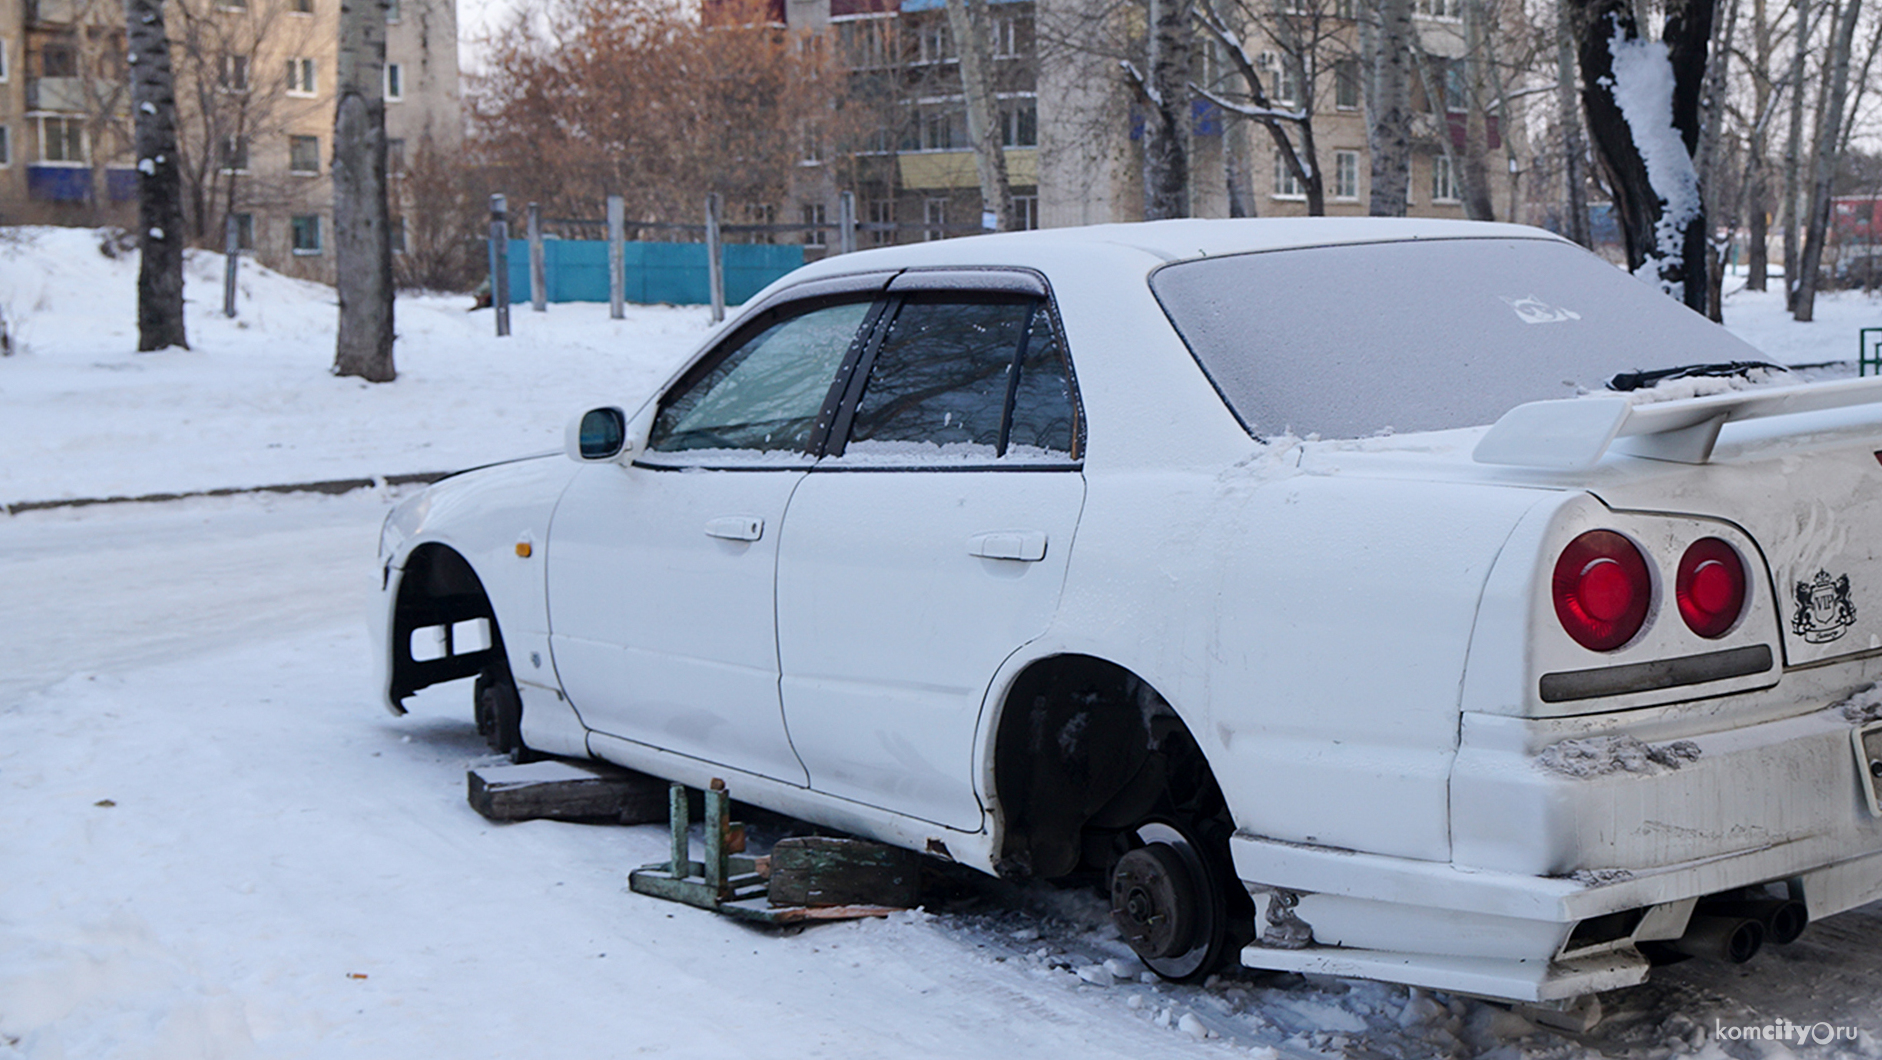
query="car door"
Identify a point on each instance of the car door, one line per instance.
(930, 542)
(662, 574)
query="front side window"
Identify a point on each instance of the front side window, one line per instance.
(968, 379)
(765, 394)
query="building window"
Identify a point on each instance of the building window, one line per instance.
(865, 43)
(397, 234)
(934, 43)
(1443, 181)
(58, 60)
(942, 128)
(1447, 9)
(6, 146)
(1025, 212)
(882, 213)
(1008, 39)
(304, 155)
(392, 10)
(395, 158)
(1286, 185)
(395, 82)
(235, 73)
(761, 213)
(232, 155)
(810, 151)
(301, 81)
(935, 216)
(301, 7)
(1287, 87)
(1346, 174)
(62, 140)
(245, 231)
(6, 66)
(1346, 84)
(1019, 123)
(814, 214)
(306, 231)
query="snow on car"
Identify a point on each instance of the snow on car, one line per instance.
(1305, 578)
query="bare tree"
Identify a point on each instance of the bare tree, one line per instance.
(1794, 149)
(1163, 90)
(1388, 38)
(159, 188)
(362, 231)
(1642, 101)
(968, 21)
(1574, 149)
(1834, 93)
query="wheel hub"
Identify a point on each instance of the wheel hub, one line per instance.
(1154, 902)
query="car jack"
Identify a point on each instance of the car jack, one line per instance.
(729, 882)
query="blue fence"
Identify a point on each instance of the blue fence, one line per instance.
(671, 273)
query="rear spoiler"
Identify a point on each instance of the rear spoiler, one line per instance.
(1576, 432)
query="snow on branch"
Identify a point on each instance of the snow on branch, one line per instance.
(1140, 83)
(1251, 110)
(1642, 87)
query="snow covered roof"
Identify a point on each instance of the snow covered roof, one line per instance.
(1152, 242)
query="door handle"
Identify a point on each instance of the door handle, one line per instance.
(1027, 546)
(736, 527)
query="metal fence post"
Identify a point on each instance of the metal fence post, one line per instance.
(617, 258)
(846, 223)
(500, 263)
(231, 253)
(715, 261)
(538, 269)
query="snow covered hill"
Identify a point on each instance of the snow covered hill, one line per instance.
(214, 844)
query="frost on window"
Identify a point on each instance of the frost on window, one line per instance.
(1348, 341)
(967, 378)
(764, 396)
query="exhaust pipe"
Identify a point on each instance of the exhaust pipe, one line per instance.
(1723, 938)
(1783, 918)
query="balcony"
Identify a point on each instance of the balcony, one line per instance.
(62, 12)
(59, 95)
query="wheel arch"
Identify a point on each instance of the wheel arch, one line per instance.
(439, 588)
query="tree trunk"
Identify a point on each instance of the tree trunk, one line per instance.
(1574, 149)
(159, 180)
(1823, 160)
(1388, 106)
(1757, 194)
(1794, 153)
(1475, 174)
(1708, 163)
(1630, 119)
(362, 231)
(1166, 125)
(968, 21)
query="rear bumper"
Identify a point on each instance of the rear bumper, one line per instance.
(1535, 852)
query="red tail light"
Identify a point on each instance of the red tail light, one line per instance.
(1602, 590)
(1710, 587)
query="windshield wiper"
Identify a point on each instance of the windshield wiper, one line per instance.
(1640, 380)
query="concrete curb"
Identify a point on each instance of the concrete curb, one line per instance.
(332, 486)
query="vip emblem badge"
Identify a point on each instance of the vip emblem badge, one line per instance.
(1823, 608)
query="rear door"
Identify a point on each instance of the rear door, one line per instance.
(930, 542)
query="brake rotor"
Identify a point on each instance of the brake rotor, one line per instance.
(1153, 901)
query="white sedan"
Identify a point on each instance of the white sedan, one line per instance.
(1363, 597)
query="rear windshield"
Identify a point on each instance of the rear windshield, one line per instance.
(1352, 341)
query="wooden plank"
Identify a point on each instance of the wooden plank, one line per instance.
(563, 790)
(817, 871)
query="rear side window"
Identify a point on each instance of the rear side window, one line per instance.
(765, 394)
(967, 378)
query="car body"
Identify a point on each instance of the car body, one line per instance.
(1296, 574)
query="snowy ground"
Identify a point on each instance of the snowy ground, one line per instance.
(216, 845)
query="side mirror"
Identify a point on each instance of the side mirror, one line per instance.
(596, 435)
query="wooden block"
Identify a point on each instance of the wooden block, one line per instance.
(562, 790)
(822, 871)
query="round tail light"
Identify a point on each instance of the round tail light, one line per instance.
(1710, 587)
(1602, 590)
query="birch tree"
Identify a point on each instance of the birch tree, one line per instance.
(362, 232)
(1387, 40)
(1162, 87)
(1301, 32)
(968, 21)
(159, 183)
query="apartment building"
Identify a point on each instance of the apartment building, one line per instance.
(1073, 133)
(255, 90)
